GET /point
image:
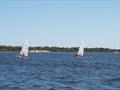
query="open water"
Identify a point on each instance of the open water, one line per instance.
(60, 71)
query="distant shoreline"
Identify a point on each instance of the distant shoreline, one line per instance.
(57, 49)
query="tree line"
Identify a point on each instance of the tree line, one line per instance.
(57, 49)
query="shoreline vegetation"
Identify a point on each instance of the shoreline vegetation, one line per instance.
(56, 49)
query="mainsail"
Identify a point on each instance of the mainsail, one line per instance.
(81, 49)
(24, 50)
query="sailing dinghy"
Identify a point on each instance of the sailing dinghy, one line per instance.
(24, 50)
(80, 52)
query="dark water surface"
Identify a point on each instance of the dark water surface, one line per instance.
(60, 71)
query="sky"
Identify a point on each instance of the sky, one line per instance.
(62, 23)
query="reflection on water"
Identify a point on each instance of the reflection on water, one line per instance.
(60, 71)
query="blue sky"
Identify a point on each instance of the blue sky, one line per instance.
(62, 23)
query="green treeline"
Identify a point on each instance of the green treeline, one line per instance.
(57, 49)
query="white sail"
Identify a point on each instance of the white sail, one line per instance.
(81, 49)
(24, 50)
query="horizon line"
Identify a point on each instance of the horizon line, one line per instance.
(61, 46)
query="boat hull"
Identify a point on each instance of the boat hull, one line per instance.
(22, 57)
(77, 56)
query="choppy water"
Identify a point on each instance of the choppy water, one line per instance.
(60, 71)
